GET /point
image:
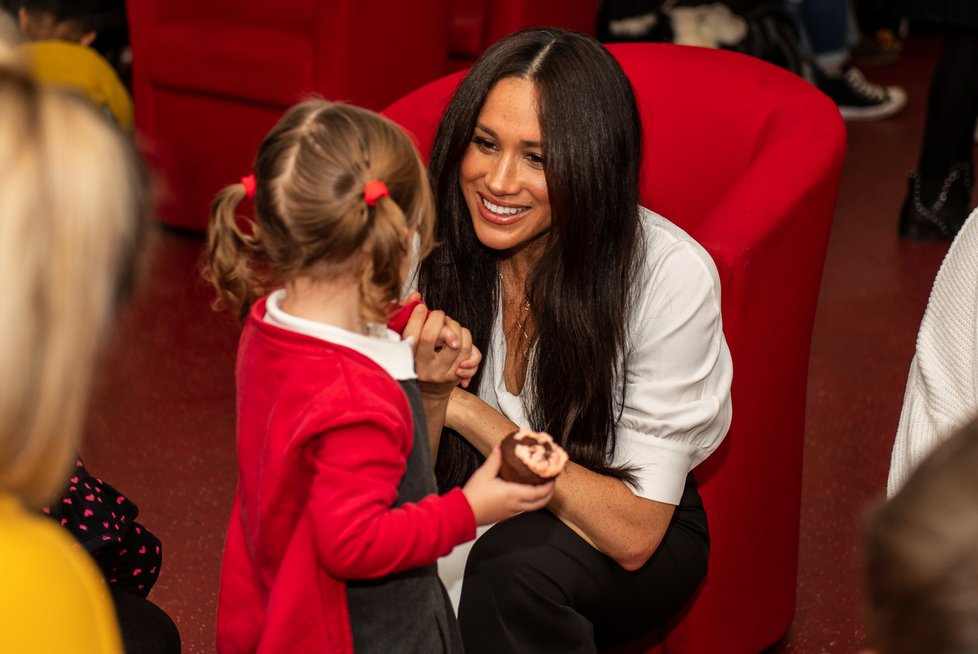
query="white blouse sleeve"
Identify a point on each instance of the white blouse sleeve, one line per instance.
(676, 407)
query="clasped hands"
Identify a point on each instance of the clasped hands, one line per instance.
(445, 359)
(444, 354)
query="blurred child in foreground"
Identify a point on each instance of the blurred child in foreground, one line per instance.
(921, 555)
(68, 242)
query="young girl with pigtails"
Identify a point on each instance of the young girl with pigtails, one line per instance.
(337, 524)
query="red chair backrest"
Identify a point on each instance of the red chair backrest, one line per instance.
(211, 77)
(746, 157)
(477, 24)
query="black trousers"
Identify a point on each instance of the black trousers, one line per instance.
(952, 108)
(533, 585)
(145, 627)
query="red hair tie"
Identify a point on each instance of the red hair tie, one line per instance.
(373, 191)
(249, 183)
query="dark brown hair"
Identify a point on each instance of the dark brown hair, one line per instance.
(580, 289)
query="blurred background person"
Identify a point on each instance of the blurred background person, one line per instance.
(67, 42)
(920, 558)
(69, 239)
(939, 190)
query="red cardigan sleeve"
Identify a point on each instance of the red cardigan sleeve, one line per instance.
(359, 463)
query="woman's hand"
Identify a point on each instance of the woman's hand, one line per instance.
(433, 332)
(493, 499)
(601, 510)
(444, 357)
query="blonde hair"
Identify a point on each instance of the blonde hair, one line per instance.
(72, 215)
(312, 218)
(921, 555)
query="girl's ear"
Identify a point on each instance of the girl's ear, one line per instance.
(88, 38)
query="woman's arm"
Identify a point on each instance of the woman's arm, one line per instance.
(607, 514)
(444, 357)
(676, 408)
(602, 510)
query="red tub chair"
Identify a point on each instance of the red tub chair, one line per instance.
(747, 158)
(210, 77)
(477, 24)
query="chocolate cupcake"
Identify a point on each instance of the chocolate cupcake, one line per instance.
(531, 458)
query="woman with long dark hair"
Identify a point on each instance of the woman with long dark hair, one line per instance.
(600, 323)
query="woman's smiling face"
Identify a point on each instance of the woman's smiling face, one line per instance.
(502, 173)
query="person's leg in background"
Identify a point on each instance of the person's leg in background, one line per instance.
(939, 194)
(882, 31)
(145, 627)
(830, 30)
(827, 27)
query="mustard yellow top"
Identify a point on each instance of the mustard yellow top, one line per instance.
(52, 597)
(75, 66)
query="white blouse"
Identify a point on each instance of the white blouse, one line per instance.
(676, 407)
(384, 347)
(677, 394)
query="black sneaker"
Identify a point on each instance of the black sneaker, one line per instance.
(860, 99)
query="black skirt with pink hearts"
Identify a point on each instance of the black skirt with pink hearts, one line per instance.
(103, 521)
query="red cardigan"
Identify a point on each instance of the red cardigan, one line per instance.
(323, 437)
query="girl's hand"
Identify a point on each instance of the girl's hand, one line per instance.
(401, 313)
(423, 326)
(438, 360)
(467, 369)
(493, 499)
(415, 321)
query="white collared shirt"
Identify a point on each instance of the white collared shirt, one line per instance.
(387, 349)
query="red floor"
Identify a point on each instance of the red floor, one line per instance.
(161, 428)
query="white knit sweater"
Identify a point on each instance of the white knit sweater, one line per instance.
(941, 392)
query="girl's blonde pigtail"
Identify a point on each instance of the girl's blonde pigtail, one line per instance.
(387, 244)
(232, 258)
